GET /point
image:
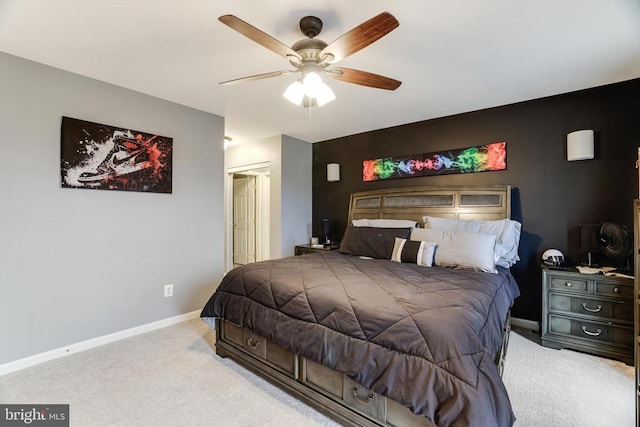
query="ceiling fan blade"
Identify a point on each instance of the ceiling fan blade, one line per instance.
(360, 37)
(257, 36)
(257, 77)
(363, 78)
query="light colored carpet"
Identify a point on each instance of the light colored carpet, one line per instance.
(565, 388)
(172, 377)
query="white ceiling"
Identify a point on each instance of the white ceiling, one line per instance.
(452, 56)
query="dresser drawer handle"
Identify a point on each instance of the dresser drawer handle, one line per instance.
(591, 310)
(366, 401)
(568, 284)
(593, 334)
(253, 344)
(617, 290)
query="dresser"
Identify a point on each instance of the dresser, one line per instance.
(588, 312)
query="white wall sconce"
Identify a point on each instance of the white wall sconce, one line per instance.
(333, 172)
(580, 145)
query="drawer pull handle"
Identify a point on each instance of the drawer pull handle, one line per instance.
(366, 401)
(593, 334)
(617, 290)
(568, 284)
(253, 344)
(591, 310)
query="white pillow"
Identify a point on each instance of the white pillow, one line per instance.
(507, 232)
(384, 223)
(416, 252)
(459, 249)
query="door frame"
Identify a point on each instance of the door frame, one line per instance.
(262, 226)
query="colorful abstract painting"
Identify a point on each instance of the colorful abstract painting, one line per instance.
(103, 157)
(490, 157)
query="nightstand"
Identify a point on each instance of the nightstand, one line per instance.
(308, 249)
(588, 312)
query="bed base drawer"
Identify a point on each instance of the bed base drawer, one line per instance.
(323, 378)
(260, 347)
(353, 395)
(349, 402)
(399, 416)
(364, 400)
(345, 389)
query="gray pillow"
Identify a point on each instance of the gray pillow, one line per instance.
(507, 234)
(373, 242)
(461, 250)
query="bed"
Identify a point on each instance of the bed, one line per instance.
(371, 334)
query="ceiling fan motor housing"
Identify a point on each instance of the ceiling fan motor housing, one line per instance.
(310, 26)
(309, 49)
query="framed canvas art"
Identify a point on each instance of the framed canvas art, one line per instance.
(489, 157)
(103, 157)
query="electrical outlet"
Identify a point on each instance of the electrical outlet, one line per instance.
(168, 291)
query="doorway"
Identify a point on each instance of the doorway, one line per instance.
(247, 214)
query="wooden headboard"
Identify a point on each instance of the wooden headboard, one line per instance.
(484, 202)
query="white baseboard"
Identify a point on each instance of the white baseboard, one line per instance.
(524, 323)
(92, 343)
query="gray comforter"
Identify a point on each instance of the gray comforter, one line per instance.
(424, 337)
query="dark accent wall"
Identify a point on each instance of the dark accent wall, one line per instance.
(551, 197)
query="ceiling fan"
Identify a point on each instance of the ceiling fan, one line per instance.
(313, 58)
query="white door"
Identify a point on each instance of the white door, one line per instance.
(244, 215)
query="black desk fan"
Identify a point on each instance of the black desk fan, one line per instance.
(616, 244)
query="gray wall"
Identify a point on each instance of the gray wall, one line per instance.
(77, 264)
(296, 193)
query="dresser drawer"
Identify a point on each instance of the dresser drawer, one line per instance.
(591, 331)
(618, 311)
(614, 290)
(569, 284)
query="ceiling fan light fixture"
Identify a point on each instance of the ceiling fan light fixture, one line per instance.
(295, 92)
(324, 95)
(312, 83)
(313, 88)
